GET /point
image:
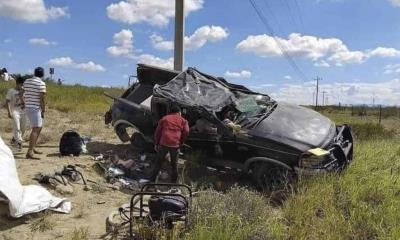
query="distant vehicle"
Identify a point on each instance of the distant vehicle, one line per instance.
(273, 141)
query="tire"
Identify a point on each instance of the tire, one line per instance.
(137, 140)
(271, 177)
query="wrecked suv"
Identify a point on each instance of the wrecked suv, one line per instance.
(273, 141)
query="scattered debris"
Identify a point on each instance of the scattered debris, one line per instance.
(59, 179)
(129, 173)
(25, 199)
(150, 208)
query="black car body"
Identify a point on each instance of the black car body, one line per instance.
(271, 137)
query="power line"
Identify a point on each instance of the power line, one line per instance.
(291, 14)
(299, 15)
(279, 44)
(271, 13)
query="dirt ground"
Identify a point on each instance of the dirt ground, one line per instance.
(90, 208)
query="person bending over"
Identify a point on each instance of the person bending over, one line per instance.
(172, 131)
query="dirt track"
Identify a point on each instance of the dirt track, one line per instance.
(89, 212)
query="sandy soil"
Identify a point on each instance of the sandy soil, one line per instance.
(90, 208)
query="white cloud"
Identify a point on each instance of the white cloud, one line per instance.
(61, 62)
(387, 92)
(159, 43)
(90, 67)
(288, 77)
(41, 41)
(67, 62)
(203, 35)
(197, 40)
(322, 51)
(392, 69)
(7, 40)
(156, 61)
(241, 74)
(395, 3)
(31, 10)
(384, 52)
(154, 12)
(322, 63)
(347, 57)
(296, 45)
(123, 47)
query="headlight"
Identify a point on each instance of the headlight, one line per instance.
(311, 161)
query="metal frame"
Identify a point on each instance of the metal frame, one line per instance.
(144, 192)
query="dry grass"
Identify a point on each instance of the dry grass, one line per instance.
(81, 233)
(361, 203)
(42, 224)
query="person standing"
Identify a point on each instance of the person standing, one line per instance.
(172, 131)
(4, 76)
(34, 100)
(16, 111)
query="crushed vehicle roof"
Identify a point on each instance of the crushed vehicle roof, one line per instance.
(191, 87)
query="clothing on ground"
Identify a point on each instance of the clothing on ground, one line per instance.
(172, 130)
(33, 87)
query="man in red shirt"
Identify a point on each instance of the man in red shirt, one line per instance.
(172, 131)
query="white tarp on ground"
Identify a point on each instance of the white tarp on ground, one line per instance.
(25, 199)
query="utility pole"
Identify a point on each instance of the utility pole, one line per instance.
(323, 98)
(179, 34)
(313, 97)
(373, 100)
(316, 96)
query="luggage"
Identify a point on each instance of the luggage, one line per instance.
(71, 143)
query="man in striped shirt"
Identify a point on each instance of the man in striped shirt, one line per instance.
(34, 101)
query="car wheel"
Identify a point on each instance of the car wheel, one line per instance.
(137, 140)
(272, 177)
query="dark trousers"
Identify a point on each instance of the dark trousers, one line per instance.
(162, 152)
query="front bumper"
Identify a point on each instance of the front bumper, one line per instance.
(340, 154)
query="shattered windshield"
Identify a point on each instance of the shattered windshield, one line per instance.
(252, 108)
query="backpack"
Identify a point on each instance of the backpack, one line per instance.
(71, 143)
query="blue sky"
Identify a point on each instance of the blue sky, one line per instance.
(354, 45)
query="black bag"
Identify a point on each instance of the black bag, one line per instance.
(71, 143)
(167, 206)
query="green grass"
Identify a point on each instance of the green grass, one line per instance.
(363, 202)
(76, 98)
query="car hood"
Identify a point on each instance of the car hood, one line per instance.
(295, 126)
